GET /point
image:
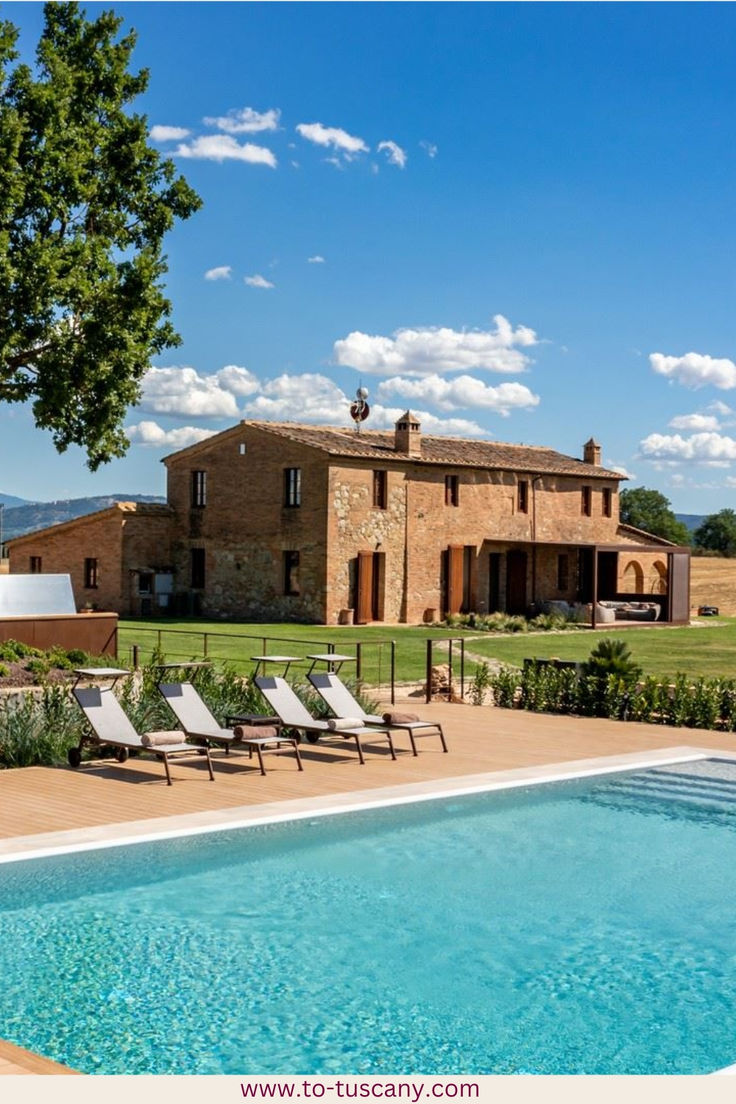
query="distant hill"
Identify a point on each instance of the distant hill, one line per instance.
(691, 520)
(18, 520)
(10, 500)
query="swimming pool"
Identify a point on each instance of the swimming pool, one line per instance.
(577, 927)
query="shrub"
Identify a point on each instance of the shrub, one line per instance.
(506, 686)
(480, 684)
(38, 731)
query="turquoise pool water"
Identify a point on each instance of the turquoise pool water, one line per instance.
(583, 927)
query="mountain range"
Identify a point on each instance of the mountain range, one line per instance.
(20, 516)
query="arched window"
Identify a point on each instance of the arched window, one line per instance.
(659, 577)
(633, 578)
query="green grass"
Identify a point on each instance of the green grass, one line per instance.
(708, 650)
(694, 650)
(188, 639)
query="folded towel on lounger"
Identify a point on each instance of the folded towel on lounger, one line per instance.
(255, 732)
(399, 718)
(339, 723)
(161, 739)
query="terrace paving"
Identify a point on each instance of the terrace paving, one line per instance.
(43, 808)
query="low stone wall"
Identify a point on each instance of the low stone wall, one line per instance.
(96, 633)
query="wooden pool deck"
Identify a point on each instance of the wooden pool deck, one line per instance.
(101, 798)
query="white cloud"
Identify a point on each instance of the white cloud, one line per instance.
(429, 351)
(304, 398)
(696, 370)
(396, 155)
(385, 417)
(620, 468)
(316, 259)
(694, 422)
(245, 120)
(315, 399)
(461, 393)
(333, 138)
(222, 147)
(714, 449)
(160, 133)
(237, 380)
(719, 408)
(223, 272)
(151, 435)
(183, 391)
(258, 281)
(430, 147)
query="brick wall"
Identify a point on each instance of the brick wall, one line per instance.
(63, 550)
(245, 529)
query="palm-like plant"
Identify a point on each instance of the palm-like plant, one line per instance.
(612, 657)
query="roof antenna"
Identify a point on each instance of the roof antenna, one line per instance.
(359, 409)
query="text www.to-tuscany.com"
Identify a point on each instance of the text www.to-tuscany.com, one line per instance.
(411, 1091)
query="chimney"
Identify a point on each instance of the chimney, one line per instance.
(408, 435)
(592, 452)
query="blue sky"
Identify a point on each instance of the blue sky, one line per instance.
(517, 219)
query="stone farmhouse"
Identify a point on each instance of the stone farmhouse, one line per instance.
(281, 521)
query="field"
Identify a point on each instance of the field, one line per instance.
(713, 583)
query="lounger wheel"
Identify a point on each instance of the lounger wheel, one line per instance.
(121, 755)
(313, 737)
(74, 756)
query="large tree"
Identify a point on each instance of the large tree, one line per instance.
(717, 533)
(651, 510)
(85, 203)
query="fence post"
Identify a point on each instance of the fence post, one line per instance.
(449, 657)
(204, 644)
(135, 657)
(160, 649)
(462, 666)
(428, 689)
(393, 672)
(359, 661)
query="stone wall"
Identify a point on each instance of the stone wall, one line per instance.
(417, 527)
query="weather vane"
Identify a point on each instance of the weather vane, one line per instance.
(359, 409)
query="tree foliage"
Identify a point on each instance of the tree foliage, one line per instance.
(717, 533)
(650, 510)
(85, 203)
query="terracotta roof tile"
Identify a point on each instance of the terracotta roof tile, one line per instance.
(447, 451)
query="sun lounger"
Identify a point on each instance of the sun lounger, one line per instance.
(111, 727)
(199, 723)
(342, 703)
(294, 714)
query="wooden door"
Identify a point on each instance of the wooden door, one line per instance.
(455, 576)
(516, 581)
(365, 591)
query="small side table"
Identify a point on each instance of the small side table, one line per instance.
(262, 660)
(257, 719)
(333, 660)
(93, 674)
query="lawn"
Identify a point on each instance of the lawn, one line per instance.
(235, 643)
(708, 649)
